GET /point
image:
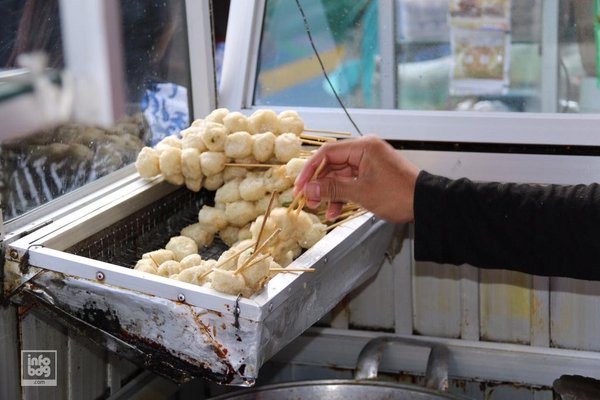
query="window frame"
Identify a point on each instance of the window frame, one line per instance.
(239, 80)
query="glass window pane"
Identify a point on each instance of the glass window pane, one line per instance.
(345, 34)
(467, 55)
(37, 167)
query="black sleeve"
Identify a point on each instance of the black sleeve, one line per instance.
(548, 230)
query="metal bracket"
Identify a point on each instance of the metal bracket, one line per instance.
(236, 312)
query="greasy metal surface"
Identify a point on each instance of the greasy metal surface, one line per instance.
(338, 389)
(181, 330)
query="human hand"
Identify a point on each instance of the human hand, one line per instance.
(367, 171)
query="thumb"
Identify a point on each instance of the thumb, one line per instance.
(329, 189)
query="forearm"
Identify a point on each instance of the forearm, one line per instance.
(544, 230)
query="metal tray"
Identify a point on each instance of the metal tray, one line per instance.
(79, 267)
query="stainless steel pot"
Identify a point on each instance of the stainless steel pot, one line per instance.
(363, 387)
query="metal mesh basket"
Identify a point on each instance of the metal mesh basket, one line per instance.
(148, 229)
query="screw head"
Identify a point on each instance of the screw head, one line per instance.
(100, 275)
(181, 297)
(270, 307)
(14, 254)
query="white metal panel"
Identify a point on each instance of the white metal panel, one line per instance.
(10, 387)
(524, 168)
(540, 311)
(574, 311)
(436, 300)
(505, 306)
(372, 304)
(119, 372)
(403, 305)
(37, 334)
(469, 302)
(86, 369)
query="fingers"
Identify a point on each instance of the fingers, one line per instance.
(339, 155)
(338, 189)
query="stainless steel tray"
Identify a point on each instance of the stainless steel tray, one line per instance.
(79, 267)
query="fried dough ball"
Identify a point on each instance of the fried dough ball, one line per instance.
(229, 235)
(193, 140)
(244, 233)
(263, 146)
(212, 218)
(159, 256)
(190, 164)
(197, 123)
(213, 182)
(227, 261)
(236, 122)
(269, 228)
(217, 115)
(169, 141)
(276, 179)
(170, 165)
(294, 167)
(228, 282)
(182, 246)
(212, 162)
(256, 271)
(239, 213)
(252, 187)
(169, 268)
(263, 121)
(193, 274)
(146, 265)
(191, 260)
(293, 226)
(290, 121)
(313, 235)
(147, 163)
(287, 146)
(214, 136)
(286, 197)
(230, 173)
(229, 192)
(194, 184)
(199, 234)
(263, 204)
(238, 145)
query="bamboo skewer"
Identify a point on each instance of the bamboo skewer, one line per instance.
(252, 263)
(345, 213)
(315, 142)
(300, 194)
(262, 226)
(328, 131)
(320, 138)
(258, 250)
(358, 214)
(249, 165)
(226, 260)
(292, 269)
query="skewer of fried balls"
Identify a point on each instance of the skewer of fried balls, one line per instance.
(199, 155)
(208, 154)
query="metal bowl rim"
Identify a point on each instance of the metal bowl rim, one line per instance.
(340, 382)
